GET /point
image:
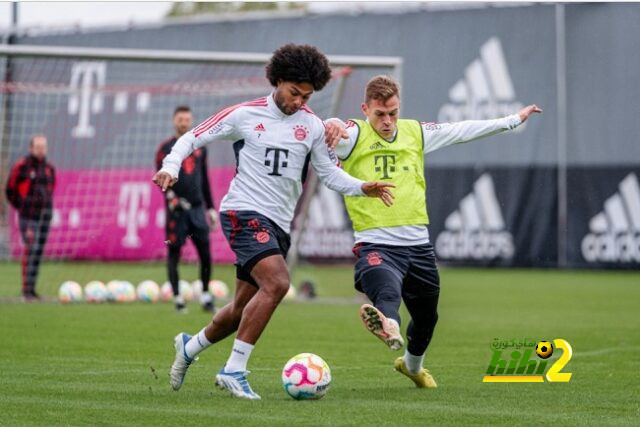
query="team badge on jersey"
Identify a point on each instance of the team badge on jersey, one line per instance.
(300, 132)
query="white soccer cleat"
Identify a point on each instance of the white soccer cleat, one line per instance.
(236, 383)
(181, 363)
(383, 328)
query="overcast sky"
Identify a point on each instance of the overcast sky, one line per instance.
(90, 13)
(85, 13)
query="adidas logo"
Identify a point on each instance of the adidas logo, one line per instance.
(615, 232)
(485, 92)
(477, 229)
(259, 128)
(376, 146)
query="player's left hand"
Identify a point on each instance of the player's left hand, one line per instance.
(213, 219)
(334, 131)
(527, 111)
(379, 189)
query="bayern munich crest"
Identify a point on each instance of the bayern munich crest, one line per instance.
(300, 132)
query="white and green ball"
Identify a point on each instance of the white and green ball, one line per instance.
(148, 291)
(113, 290)
(185, 290)
(70, 292)
(196, 289)
(127, 292)
(166, 293)
(219, 289)
(95, 292)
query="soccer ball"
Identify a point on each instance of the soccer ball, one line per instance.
(69, 292)
(148, 291)
(166, 293)
(306, 376)
(127, 292)
(544, 349)
(185, 290)
(95, 292)
(196, 288)
(219, 289)
(113, 290)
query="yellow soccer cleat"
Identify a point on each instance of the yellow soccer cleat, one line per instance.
(422, 379)
(381, 327)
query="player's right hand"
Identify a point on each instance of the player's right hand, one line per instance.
(164, 180)
(334, 132)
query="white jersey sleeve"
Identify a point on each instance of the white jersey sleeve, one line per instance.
(221, 126)
(325, 164)
(438, 135)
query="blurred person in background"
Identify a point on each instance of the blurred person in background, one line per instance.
(396, 261)
(188, 205)
(30, 191)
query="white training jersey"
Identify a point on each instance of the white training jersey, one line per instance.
(272, 152)
(435, 136)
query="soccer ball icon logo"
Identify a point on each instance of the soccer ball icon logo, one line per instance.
(544, 349)
(306, 376)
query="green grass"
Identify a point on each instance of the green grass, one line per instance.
(107, 364)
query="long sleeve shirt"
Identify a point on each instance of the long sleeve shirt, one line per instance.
(273, 151)
(30, 187)
(435, 136)
(193, 181)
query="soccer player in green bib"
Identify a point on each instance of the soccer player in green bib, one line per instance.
(396, 262)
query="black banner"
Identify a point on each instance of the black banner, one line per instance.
(493, 217)
(604, 217)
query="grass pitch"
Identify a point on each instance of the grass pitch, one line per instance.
(107, 364)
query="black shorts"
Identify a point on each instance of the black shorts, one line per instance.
(182, 223)
(414, 265)
(252, 237)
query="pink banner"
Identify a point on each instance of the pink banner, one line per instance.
(117, 215)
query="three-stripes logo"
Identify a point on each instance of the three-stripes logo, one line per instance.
(485, 92)
(615, 232)
(477, 229)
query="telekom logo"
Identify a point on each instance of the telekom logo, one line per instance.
(133, 211)
(87, 80)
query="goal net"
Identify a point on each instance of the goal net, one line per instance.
(105, 111)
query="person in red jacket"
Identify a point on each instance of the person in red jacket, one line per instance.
(30, 191)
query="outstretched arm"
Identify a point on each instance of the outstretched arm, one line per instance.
(212, 129)
(438, 135)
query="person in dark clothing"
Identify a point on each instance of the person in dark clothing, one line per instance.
(185, 211)
(30, 191)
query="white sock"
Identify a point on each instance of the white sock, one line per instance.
(239, 356)
(197, 344)
(205, 298)
(413, 363)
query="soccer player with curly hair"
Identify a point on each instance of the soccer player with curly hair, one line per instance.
(276, 137)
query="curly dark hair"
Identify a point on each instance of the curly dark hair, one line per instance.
(299, 63)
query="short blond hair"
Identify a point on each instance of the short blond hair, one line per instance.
(381, 88)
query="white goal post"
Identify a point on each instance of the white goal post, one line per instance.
(105, 111)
